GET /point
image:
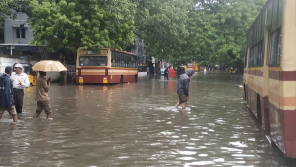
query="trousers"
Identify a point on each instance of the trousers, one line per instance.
(18, 95)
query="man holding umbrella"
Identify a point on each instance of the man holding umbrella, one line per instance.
(42, 85)
(42, 95)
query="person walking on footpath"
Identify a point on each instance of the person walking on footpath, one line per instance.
(6, 95)
(20, 81)
(42, 95)
(183, 88)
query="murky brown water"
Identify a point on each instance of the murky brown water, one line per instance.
(137, 125)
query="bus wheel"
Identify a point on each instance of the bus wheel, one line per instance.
(259, 109)
(121, 79)
(136, 78)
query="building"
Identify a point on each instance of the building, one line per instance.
(16, 35)
(14, 42)
(17, 31)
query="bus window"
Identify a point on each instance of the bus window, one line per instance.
(124, 60)
(112, 59)
(275, 47)
(116, 59)
(93, 61)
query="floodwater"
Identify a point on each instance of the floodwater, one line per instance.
(137, 125)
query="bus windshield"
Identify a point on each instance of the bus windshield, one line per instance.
(93, 61)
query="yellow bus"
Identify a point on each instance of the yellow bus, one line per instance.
(106, 66)
(270, 73)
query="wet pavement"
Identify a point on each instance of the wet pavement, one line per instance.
(137, 125)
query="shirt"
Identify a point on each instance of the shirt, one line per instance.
(17, 78)
(41, 85)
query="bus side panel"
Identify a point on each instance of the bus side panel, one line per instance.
(91, 78)
(253, 89)
(128, 78)
(129, 75)
(252, 101)
(276, 133)
(289, 128)
(245, 88)
(112, 75)
(112, 79)
(288, 77)
(265, 114)
(261, 110)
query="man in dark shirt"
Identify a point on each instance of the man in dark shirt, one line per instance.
(6, 94)
(166, 73)
(183, 87)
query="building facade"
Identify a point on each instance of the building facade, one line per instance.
(16, 35)
(17, 31)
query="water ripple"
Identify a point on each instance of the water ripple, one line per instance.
(137, 125)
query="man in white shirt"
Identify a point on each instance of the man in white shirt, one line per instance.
(20, 81)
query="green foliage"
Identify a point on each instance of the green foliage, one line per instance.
(219, 29)
(5, 9)
(162, 24)
(8, 8)
(69, 24)
(205, 31)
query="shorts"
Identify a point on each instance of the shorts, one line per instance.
(183, 99)
(43, 105)
(11, 110)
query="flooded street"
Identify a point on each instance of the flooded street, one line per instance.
(137, 125)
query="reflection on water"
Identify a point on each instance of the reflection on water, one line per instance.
(137, 125)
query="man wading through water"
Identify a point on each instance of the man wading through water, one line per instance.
(183, 88)
(42, 95)
(20, 81)
(6, 94)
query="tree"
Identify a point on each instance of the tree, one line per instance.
(6, 9)
(219, 29)
(162, 24)
(65, 25)
(211, 31)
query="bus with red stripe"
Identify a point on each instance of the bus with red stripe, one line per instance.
(270, 73)
(106, 66)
